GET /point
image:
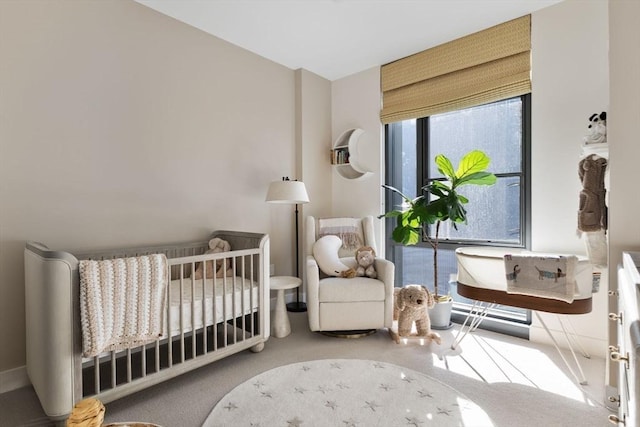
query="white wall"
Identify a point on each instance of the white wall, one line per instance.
(570, 79)
(624, 116)
(623, 122)
(355, 103)
(570, 82)
(120, 126)
(313, 136)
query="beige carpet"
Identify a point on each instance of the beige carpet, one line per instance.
(516, 383)
(345, 392)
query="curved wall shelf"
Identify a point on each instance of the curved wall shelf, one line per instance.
(344, 155)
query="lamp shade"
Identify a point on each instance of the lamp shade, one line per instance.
(287, 192)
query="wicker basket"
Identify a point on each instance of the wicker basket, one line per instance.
(131, 424)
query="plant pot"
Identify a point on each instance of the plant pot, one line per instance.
(440, 315)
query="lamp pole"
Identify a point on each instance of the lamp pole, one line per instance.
(291, 192)
(297, 306)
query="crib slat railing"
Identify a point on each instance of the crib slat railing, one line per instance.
(252, 299)
(169, 332)
(129, 365)
(224, 308)
(203, 306)
(181, 305)
(193, 314)
(233, 302)
(157, 353)
(96, 373)
(214, 313)
(239, 313)
(242, 284)
(113, 369)
(143, 362)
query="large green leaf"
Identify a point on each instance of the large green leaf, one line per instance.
(444, 166)
(478, 178)
(406, 235)
(472, 162)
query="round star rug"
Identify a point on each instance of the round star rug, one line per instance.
(345, 392)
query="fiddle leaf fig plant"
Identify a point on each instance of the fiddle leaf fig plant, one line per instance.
(440, 202)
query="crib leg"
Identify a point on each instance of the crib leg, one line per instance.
(582, 380)
(477, 317)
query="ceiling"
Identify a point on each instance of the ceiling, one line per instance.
(337, 38)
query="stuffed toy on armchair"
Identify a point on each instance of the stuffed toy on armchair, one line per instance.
(365, 257)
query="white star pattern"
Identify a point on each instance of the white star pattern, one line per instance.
(336, 391)
(331, 404)
(386, 387)
(372, 405)
(230, 406)
(295, 422)
(424, 393)
(444, 411)
(413, 421)
(324, 389)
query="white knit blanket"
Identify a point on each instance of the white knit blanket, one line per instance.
(541, 276)
(345, 228)
(122, 302)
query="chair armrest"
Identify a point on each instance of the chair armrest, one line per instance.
(386, 273)
(313, 287)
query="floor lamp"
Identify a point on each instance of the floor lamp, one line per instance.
(291, 192)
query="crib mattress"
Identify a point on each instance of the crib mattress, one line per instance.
(240, 298)
(481, 276)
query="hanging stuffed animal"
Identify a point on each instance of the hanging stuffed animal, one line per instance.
(597, 129)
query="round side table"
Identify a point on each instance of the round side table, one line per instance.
(281, 326)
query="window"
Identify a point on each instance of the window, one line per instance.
(498, 215)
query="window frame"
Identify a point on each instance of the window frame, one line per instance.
(393, 159)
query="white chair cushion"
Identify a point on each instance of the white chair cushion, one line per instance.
(357, 289)
(325, 251)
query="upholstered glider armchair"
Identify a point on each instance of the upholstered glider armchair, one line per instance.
(345, 304)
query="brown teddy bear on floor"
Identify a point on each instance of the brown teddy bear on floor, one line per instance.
(410, 305)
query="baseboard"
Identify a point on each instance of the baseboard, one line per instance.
(13, 379)
(289, 296)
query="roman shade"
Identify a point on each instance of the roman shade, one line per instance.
(483, 67)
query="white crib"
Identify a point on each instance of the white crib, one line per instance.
(206, 320)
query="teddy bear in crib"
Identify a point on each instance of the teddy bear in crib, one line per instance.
(410, 304)
(365, 257)
(216, 245)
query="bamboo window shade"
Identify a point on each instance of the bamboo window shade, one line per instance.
(483, 67)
